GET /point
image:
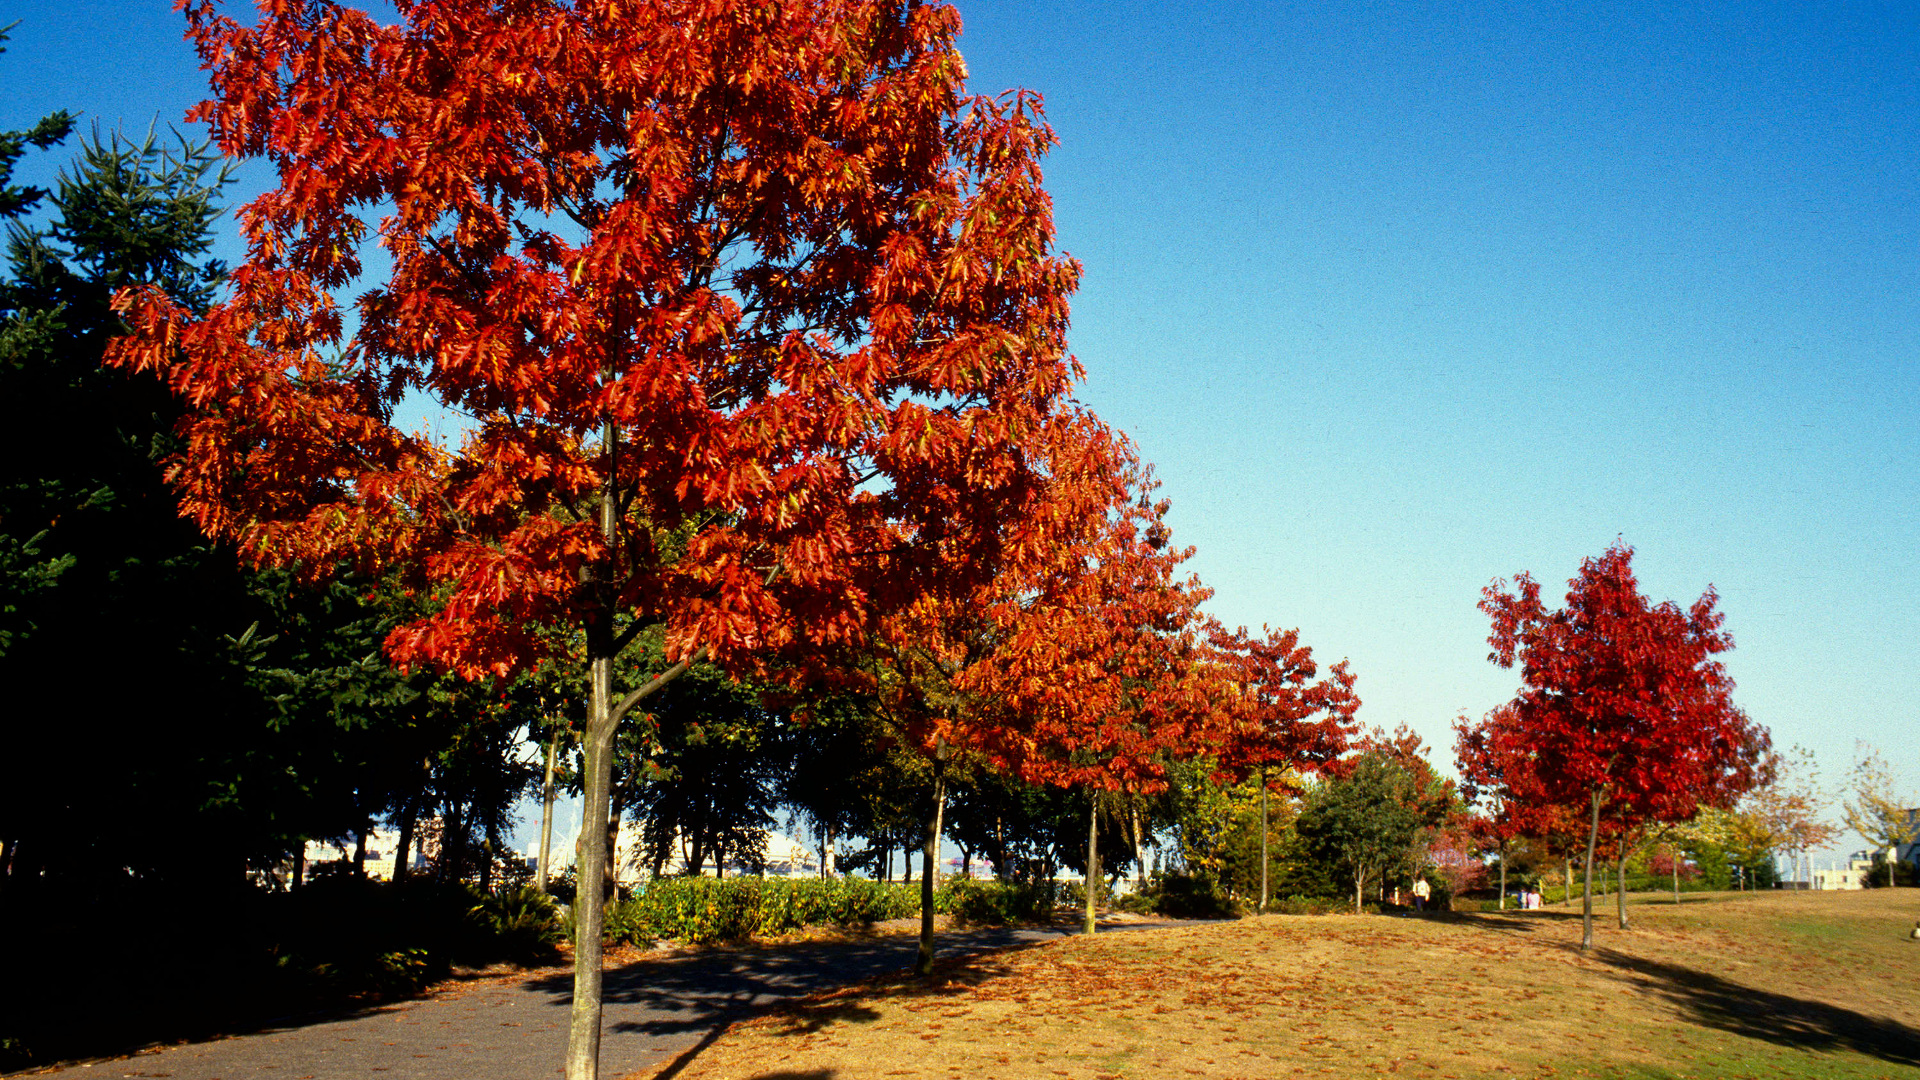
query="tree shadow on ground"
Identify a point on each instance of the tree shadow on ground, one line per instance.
(1781, 1019)
(799, 988)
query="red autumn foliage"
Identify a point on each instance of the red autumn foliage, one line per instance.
(1623, 712)
(749, 314)
(1272, 714)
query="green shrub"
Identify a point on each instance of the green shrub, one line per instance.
(1313, 905)
(698, 910)
(1191, 896)
(522, 923)
(987, 902)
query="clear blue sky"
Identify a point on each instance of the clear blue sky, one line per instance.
(1403, 297)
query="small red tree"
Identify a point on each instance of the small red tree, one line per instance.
(748, 311)
(1623, 707)
(1490, 773)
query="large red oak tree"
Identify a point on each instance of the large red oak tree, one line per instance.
(745, 313)
(1624, 710)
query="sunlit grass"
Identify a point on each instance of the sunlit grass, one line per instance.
(1773, 985)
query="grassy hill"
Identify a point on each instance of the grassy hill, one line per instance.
(1799, 986)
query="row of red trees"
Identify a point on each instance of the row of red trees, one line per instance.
(755, 330)
(756, 335)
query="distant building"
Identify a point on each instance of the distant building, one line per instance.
(785, 857)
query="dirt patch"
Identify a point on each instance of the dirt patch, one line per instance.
(1781, 985)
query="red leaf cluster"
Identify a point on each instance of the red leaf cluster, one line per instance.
(1623, 701)
(762, 277)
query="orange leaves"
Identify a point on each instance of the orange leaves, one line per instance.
(760, 275)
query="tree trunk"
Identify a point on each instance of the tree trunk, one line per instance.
(1503, 877)
(1620, 895)
(1566, 879)
(906, 866)
(1359, 890)
(928, 876)
(1586, 900)
(1673, 853)
(300, 865)
(1263, 841)
(360, 852)
(589, 901)
(1139, 844)
(1093, 856)
(616, 810)
(403, 854)
(544, 868)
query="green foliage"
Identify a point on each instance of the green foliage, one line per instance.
(1366, 821)
(990, 903)
(699, 910)
(1195, 895)
(523, 922)
(1315, 905)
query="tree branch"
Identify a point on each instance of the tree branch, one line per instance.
(658, 681)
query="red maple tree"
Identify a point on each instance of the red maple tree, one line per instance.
(746, 313)
(1623, 709)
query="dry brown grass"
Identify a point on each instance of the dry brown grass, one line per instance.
(1779, 985)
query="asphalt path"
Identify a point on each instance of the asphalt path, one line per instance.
(656, 1009)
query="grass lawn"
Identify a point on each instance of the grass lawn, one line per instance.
(1788, 985)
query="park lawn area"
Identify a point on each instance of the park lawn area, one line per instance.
(1787, 985)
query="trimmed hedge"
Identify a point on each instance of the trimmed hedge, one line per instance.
(698, 910)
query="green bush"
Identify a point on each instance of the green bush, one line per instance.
(698, 910)
(986, 902)
(1190, 896)
(523, 923)
(1314, 905)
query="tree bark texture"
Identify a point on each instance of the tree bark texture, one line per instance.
(928, 878)
(589, 903)
(1503, 877)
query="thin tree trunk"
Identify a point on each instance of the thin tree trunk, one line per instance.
(1586, 900)
(1503, 877)
(1093, 856)
(1263, 841)
(360, 852)
(1359, 890)
(616, 810)
(1673, 854)
(924, 965)
(589, 901)
(544, 868)
(1139, 844)
(1566, 879)
(906, 866)
(1620, 895)
(403, 854)
(300, 865)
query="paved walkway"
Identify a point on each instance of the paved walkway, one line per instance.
(655, 1009)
